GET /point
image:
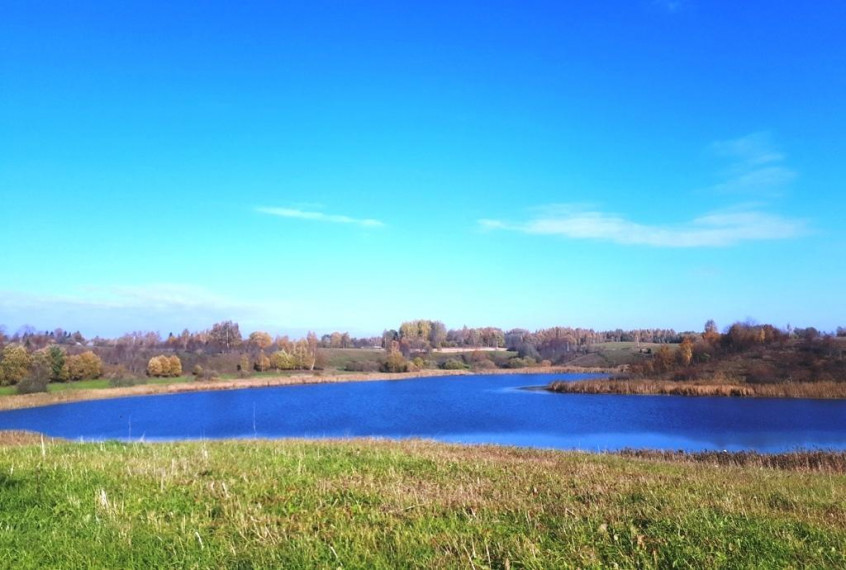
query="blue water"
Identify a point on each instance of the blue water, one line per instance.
(470, 409)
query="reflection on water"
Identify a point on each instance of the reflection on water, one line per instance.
(470, 409)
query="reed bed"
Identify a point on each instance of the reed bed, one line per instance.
(817, 390)
(809, 461)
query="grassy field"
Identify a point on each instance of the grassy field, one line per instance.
(378, 504)
(336, 359)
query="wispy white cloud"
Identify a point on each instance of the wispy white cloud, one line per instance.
(156, 297)
(756, 166)
(715, 229)
(119, 309)
(320, 217)
(754, 149)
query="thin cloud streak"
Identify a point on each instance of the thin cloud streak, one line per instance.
(115, 310)
(320, 217)
(158, 297)
(756, 166)
(717, 229)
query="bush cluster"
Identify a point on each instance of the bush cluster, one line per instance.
(164, 366)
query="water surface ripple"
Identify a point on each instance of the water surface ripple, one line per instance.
(470, 409)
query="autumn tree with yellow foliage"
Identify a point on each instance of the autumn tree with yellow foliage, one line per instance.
(164, 366)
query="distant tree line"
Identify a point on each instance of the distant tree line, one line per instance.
(60, 356)
(556, 344)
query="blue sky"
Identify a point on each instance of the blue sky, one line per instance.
(313, 165)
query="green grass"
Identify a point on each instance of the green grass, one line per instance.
(338, 358)
(366, 504)
(611, 354)
(97, 384)
(102, 383)
(176, 380)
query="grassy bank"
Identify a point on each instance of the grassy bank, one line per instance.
(404, 504)
(822, 390)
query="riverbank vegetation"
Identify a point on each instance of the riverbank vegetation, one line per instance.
(820, 390)
(745, 360)
(382, 504)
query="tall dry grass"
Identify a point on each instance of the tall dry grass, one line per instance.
(820, 390)
(805, 461)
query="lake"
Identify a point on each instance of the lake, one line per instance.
(468, 409)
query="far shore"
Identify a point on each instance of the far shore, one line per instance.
(811, 390)
(18, 401)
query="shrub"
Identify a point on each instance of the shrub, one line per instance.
(244, 366)
(164, 366)
(117, 373)
(38, 377)
(281, 360)
(454, 364)
(761, 373)
(262, 364)
(685, 374)
(201, 373)
(175, 366)
(212, 374)
(362, 366)
(395, 362)
(518, 362)
(155, 367)
(484, 364)
(125, 381)
(84, 366)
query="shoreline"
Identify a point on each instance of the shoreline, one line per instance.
(40, 399)
(807, 390)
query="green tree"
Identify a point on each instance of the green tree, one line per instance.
(57, 358)
(281, 360)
